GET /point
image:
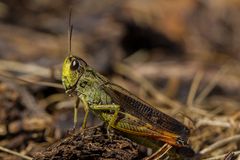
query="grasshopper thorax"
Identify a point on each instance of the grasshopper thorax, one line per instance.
(72, 70)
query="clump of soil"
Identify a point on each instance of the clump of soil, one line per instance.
(92, 143)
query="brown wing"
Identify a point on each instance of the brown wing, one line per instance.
(144, 111)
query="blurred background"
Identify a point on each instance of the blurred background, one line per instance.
(182, 56)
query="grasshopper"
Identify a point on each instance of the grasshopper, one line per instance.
(118, 108)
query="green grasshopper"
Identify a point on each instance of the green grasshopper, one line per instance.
(117, 107)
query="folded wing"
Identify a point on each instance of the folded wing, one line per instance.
(140, 109)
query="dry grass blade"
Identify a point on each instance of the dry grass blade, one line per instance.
(193, 89)
(220, 143)
(25, 68)
(218, 123)
(131, 74)
(15, 153)
(211, 85)
(160, 153)
(222, 156)
(18, 79)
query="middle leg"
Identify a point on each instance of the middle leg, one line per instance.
(108, 107)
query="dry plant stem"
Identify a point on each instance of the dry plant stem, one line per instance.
(131, 74)
(186, 71)
(211, 85)
(160, 153)
(15, 153)
(200, 111)
(65, 104)
(195, 84)
(222, 156)
(219, 144)
(48, 84)
(25, 68)
(217, 123)
(52, 99)
(30, 102)
(172, 86)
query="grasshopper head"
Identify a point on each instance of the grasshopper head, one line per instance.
(72, 70)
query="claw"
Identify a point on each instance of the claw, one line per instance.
(74, 126)
(82, 131)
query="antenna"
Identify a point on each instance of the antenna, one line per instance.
(70, 29)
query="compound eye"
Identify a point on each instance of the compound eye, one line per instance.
(74, 65)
